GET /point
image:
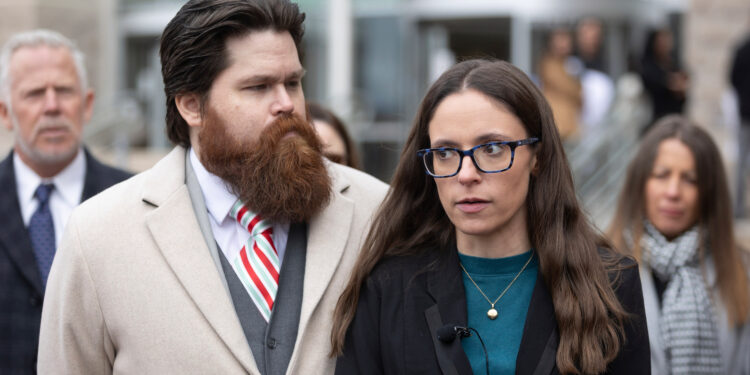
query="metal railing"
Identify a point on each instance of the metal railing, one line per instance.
(600, 157)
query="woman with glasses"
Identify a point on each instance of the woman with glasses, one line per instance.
(675, 217)
(480, 259)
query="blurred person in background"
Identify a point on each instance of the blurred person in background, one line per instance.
(663, 78)
(482, 234)
(588, 44)
(740, 79)
(559, 76)
(338, 146)
(598, 90)
(46, 102)
(674, 216)
(229, 254)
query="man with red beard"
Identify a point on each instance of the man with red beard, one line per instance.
(45, 102)
(228, 256)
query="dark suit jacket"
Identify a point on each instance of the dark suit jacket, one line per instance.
(402, 306)
(740, 78)
(21, 292)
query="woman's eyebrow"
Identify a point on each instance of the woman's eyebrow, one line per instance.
(483, 138)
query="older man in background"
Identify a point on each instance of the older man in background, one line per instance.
(45, 101)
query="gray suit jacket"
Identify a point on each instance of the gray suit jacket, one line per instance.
(134, 289)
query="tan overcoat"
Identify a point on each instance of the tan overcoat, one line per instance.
(134, 289)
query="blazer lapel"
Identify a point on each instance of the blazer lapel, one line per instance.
(540, 331)
(14, 237)
(93, 181)
(327, 238)
(445, 286)
(177, 234)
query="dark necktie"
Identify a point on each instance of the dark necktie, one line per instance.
(42, 231)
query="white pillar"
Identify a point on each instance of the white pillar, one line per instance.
(340, 51)
(520, 42)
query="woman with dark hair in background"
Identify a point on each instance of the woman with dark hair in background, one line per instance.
(481, 235)
(663, 78)
(675, 218)
(338, 146)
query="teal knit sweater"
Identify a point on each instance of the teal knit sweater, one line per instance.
(501, 336)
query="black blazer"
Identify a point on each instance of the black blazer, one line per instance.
(21, 292)
(401, 307)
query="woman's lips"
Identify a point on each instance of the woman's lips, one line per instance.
(671, 212)
(471, 206)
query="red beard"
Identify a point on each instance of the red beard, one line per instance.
(280, 176)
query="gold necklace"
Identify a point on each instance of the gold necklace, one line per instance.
(492, 313)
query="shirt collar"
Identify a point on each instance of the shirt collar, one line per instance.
(219, 199)
(68, 183)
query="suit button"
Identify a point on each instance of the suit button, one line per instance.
(271, 343)
(35, 301)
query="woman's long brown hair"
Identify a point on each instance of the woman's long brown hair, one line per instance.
(588, 313)
(714, 217)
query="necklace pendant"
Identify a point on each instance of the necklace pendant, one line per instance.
(492, 313)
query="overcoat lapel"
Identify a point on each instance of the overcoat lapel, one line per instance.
(327, 238)
(177, 233)
(540, 331)
(450, 301)
(14, 237)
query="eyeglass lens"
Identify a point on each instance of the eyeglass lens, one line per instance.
(489, 158)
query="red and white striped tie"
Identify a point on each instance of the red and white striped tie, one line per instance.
(258, 262)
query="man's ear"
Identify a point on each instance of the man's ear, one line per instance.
(189, 106)
(5, 116)
(88, 105)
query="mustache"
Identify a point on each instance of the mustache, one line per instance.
(52, 123)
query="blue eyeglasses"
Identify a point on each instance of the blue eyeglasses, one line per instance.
(492, 157)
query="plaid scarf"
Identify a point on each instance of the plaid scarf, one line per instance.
(687, 321)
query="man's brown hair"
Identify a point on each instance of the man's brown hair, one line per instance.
(193, 46)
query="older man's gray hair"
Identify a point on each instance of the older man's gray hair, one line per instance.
(34, 38)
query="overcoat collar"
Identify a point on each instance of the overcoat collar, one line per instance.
(177, 234)
(328, 237)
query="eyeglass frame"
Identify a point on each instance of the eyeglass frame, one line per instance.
(470, 153)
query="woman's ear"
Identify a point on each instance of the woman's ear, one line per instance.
(189, 106)
(534, 165)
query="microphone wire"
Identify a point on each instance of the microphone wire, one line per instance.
(486, 357)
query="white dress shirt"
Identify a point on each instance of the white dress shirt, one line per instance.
(64, 198)
(228, 233)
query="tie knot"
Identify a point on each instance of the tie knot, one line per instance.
(249, 220)
(43, 192)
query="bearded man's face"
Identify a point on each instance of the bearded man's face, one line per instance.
(280, 175)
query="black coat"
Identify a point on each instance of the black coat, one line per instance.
(21, 292)
(655, 79)
(740, 77)
(402, 306)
